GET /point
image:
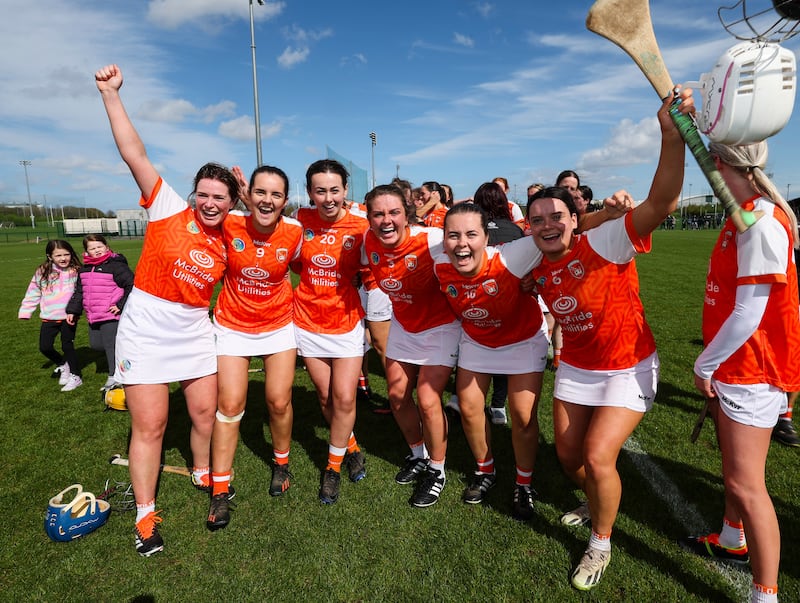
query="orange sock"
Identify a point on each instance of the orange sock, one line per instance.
(335, 458)
(352, 444)
(281, 457)
(524, 477)
(220, 483)
(486, 465)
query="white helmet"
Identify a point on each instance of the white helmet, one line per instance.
(749, 95)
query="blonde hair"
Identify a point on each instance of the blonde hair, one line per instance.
(752, 159)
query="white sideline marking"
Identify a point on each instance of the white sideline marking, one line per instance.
(684, 511)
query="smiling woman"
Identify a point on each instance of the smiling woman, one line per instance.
(165, 334)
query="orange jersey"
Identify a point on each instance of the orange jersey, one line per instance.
(435, 219)
(762, 255)
(405, 274)
(326, 300)
(593, 293)
(256, 294)
(516, 214)
(181, 260)
(494, 310)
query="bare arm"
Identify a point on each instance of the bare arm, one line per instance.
(668, 180)
(131, 148)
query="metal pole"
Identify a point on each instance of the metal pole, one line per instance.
(255, 84)
(374, 138)
(787, 191)
(25, 163)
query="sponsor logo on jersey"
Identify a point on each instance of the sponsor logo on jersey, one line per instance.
(201, 258)
(193, 227)
(237, 244)
(475, 313)
(391, 284)
(323, 260)
(255, 273)
(374, 258)
(281, 254)
(541, 281)
(348, 242)
(564, 304)
(490, 287)
(452, 291)
(576, 269)
(308, 234)
(411, 262)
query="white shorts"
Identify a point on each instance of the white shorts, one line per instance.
(236, 343)
(160, 341)
(542, 306)
(326, 345)
(377, 305)
(518, 358)
(632, 388)
(435, 347)
(754, 404)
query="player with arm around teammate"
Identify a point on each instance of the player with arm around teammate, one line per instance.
(253, 317)
(608, 373)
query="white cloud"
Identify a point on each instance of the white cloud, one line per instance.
(171, 14)
(293, 56)
(463, 40)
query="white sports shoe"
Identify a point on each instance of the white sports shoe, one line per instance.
(73, 382)
(63, 373)
(577, 517)
(498, 415)
(590, 569)
(109, 384)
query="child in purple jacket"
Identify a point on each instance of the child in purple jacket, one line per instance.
(50, 289)
(104, 282)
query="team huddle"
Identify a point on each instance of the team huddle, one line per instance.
(438, 296)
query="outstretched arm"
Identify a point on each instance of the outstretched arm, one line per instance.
(668, 180)
(131, 148)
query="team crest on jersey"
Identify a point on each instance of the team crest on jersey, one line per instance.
(201, 258)
(308, 234)
(192, 227)
(411, 262)
(391, 284)
(348, 242)
(374, 258)
(237, 244)
(490, 287)
(323, 260)
(452, 291)
(576, 269)
(281, 253)
(475, 313)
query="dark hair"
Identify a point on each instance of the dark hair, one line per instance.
(586, 192)
(325, 166)
(271, 169)
(491, 199)
(386, 189)
(554, 192)
(96, 238)
(567, 174)
(45, 269)
(468, 208)
(435, 187)
(216, 171)
(448, 194)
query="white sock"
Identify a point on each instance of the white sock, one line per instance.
(419, 451)
(731, 536)
(602, 543)
(143, 510)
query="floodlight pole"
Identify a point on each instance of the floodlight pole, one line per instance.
(374, 138)
(257, 114)
(25, 163)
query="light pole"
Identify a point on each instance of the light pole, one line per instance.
(374, 138)
(787, 192)
(255, 83)
(25, 163)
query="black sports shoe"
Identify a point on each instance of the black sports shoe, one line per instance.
(363, 394)
(522, 504)
(709, 546)
(280, 479)
(356, 465)
(478, 486)
(146, 536)
(785, 433)
(329, 490)
(428, 489)
(413, 468)
(219, 511)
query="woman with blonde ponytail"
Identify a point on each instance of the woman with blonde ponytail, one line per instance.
(751, 333)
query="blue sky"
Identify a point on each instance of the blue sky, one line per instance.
(457, 91)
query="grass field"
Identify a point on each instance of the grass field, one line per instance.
(371, 545)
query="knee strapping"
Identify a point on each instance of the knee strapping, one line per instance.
(226, 419)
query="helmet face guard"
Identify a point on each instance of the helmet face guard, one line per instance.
(83, 514)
